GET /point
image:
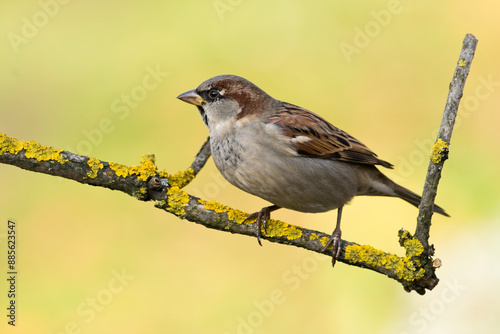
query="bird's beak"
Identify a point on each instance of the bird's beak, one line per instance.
(192, 97)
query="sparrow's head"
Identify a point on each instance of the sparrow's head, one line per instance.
(228, 98)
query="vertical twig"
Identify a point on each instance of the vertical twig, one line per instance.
(201, 157)
(440, 147)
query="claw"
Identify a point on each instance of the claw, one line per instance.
(261, 219)
(335, 240)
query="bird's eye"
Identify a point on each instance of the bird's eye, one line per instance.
(213, 94)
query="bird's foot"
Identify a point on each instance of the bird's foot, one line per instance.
(336, 243)
(261, 219)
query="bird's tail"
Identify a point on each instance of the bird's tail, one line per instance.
(403, 193)
(414, 199)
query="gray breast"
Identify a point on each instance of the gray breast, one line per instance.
(226, 153)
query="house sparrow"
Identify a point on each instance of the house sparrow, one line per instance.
(287, 155)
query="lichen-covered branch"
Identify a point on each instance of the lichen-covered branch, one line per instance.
(441, 146)
(145, 182)
(439, 154)
(202, 157)
(414, 270)
(32, 156)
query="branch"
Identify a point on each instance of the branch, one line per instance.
(145, 182)
(440, 148)
(202, 157)
(439, 154)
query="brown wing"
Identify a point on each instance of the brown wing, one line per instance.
(312, 136)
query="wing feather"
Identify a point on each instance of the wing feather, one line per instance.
(312, 136)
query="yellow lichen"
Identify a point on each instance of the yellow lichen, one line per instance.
(10, 144)
(462, 63)
(163, 174)
(403, 267)
(141, 194)
(393, 261)
(438, 150)
(406, 270)
(144, 171)
(232, 214)
(375, 257)
(120, 170)
(277, 228)
(324, 240)
(413, 247)
(365, 253)
(146, 168)
(353, 253)
(180, 179)
(33, 150)
(161, 204)
(404, 234)
(314, 236)
(95, 165)
(177, 200)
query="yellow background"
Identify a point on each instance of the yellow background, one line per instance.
(60, 83)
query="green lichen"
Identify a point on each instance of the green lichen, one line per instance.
(177, 200)
(95, 165)
(438, 151)
(33, 150)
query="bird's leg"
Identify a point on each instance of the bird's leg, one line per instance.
(335, 240)
(261, 219)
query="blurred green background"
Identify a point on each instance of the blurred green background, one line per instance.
(94, 261)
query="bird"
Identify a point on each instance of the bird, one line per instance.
(288, 155)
